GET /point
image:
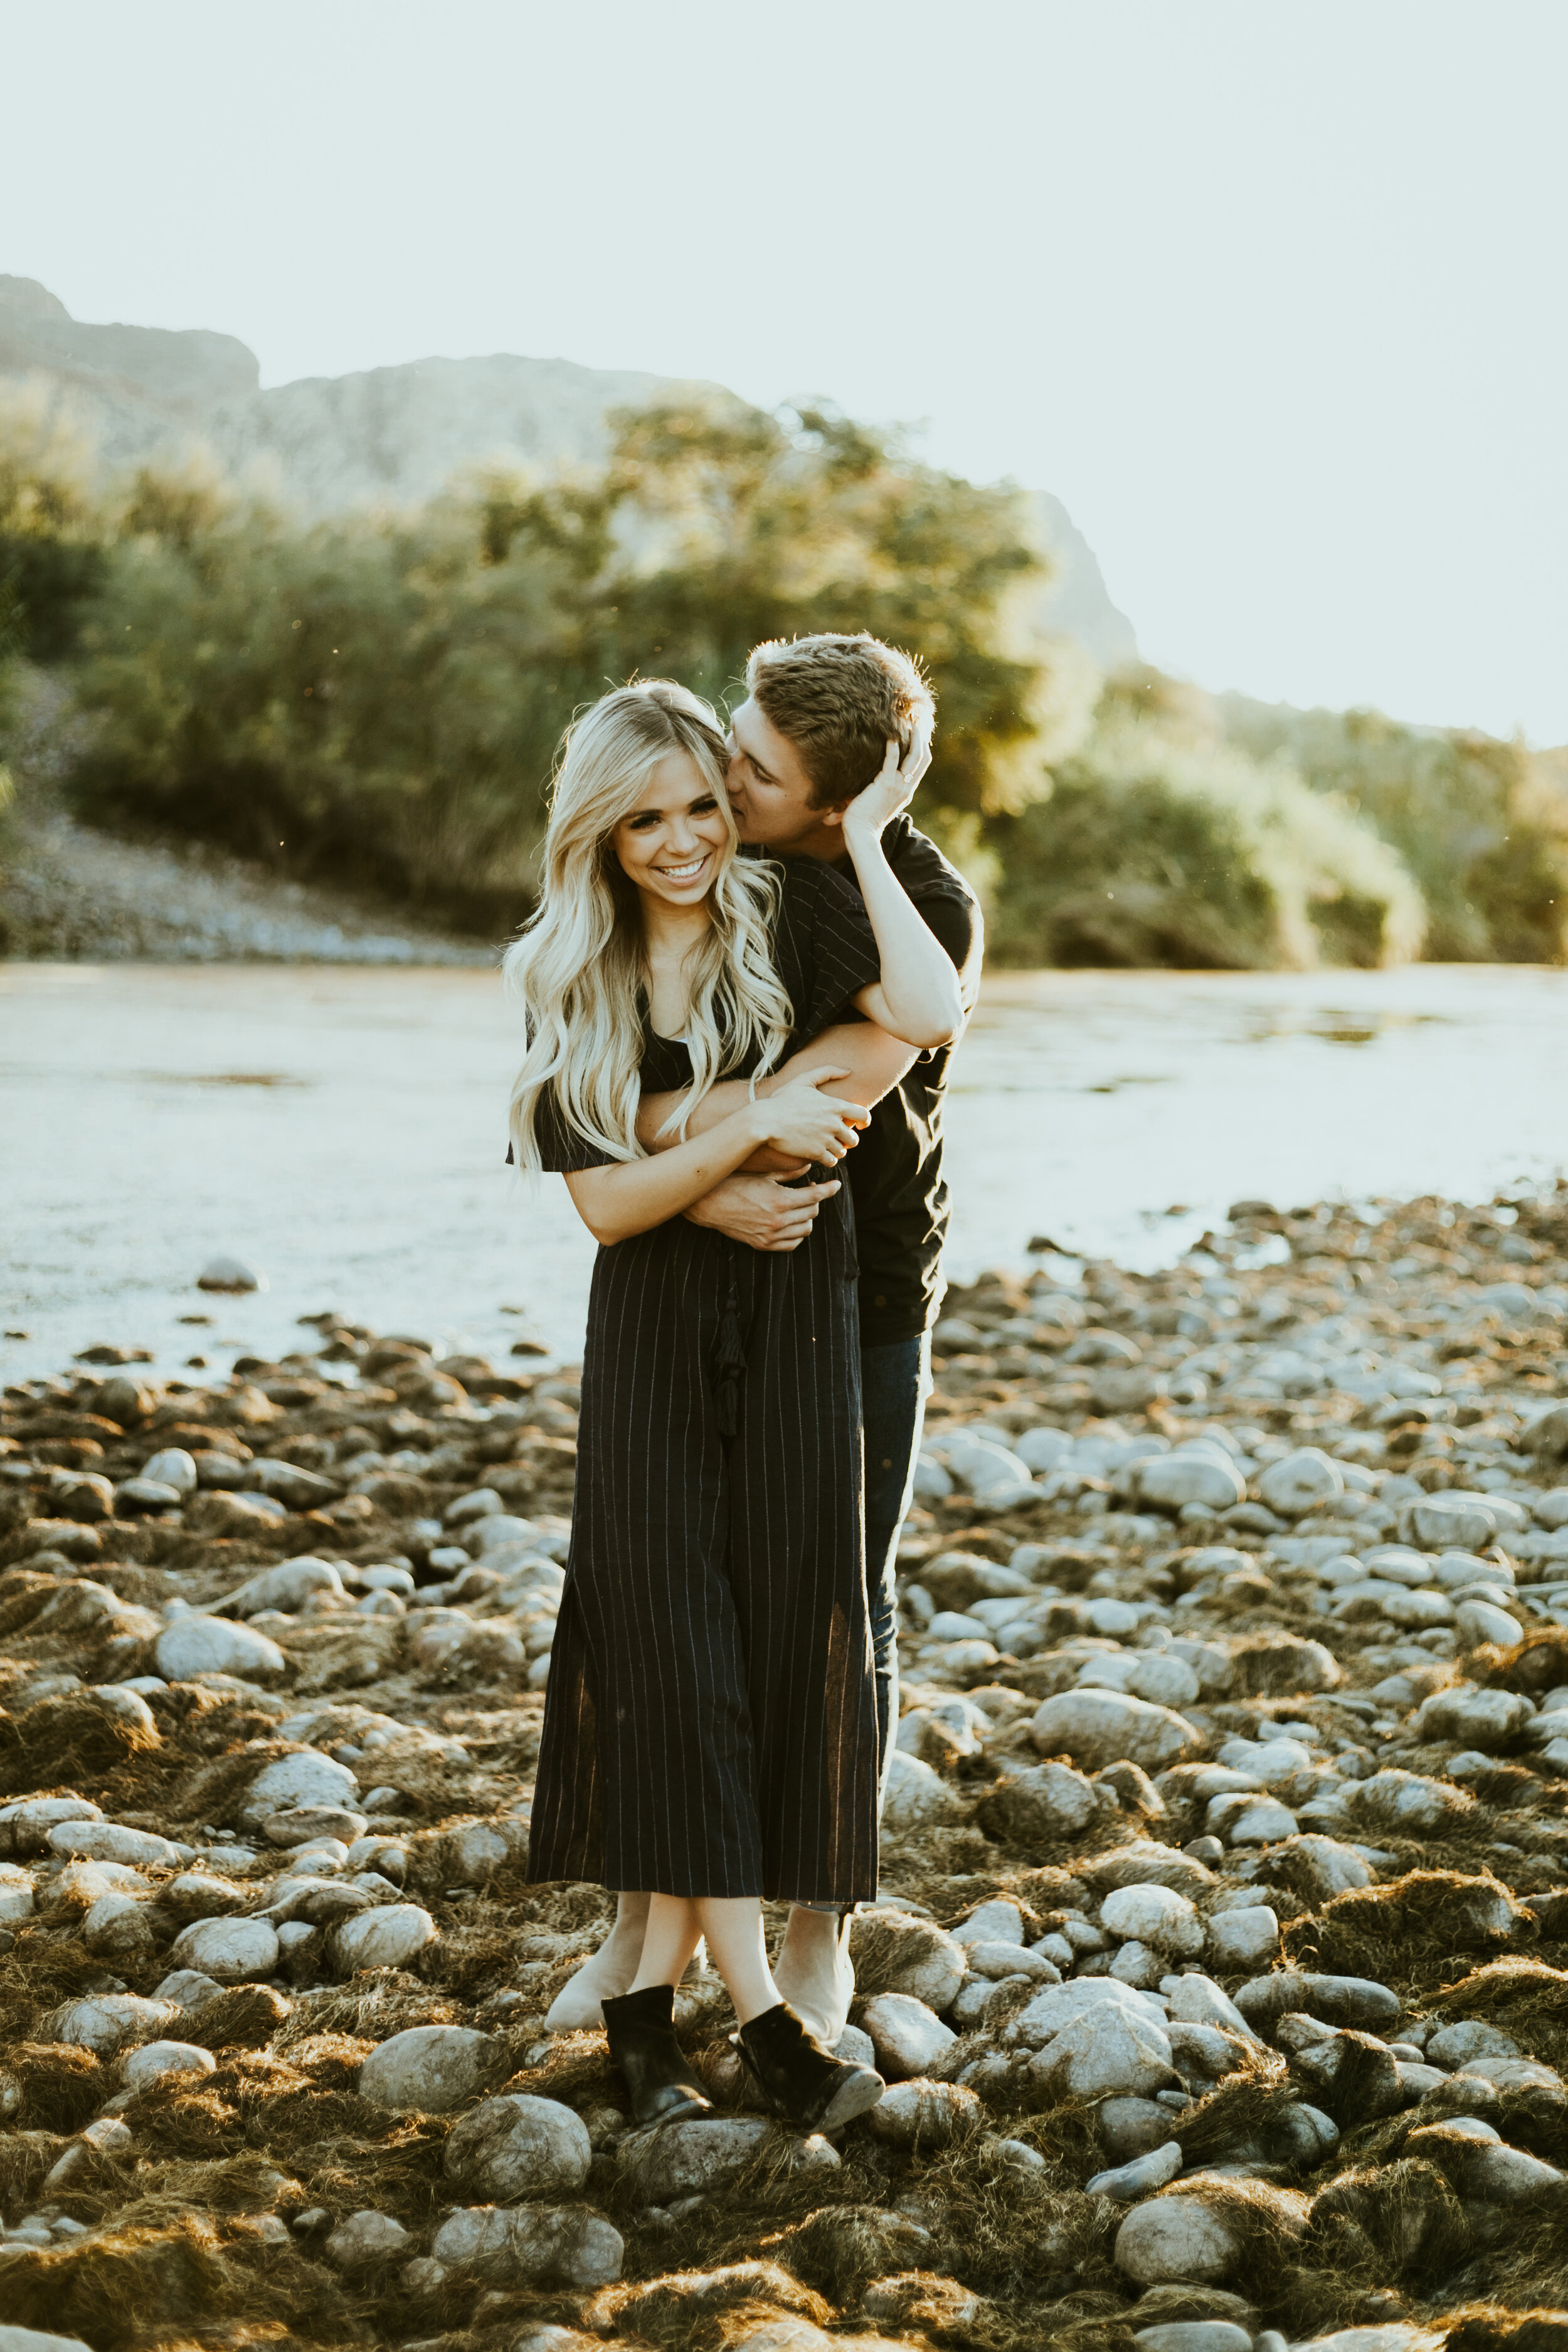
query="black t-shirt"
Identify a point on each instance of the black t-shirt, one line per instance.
(901, 1197)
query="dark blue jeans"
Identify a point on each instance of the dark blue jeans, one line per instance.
(893, 1384)
(894, 1380)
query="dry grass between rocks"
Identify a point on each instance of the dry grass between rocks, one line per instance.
(189, 2240)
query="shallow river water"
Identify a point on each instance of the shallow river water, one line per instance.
(344, 1129)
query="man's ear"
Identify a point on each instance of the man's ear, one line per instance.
(834, 814)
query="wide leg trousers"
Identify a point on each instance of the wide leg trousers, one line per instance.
(710, 1717)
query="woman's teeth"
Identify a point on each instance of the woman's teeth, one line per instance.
(684, 873)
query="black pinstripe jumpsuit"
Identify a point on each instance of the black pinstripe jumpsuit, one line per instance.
(709, 1722)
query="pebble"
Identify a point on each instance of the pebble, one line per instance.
(1045, 1803)
(992, 1922)
(915, 1794)
(678, 2159)
(923, 1960)
(307, 1778)
(1118, 1734)
(1154, 1915)
(33, 2339)
(1243, 1939)
(1106, 2055)
(430, 2069)
(208, 1645)
(520, 2147)
(172, 1466)
(1142, 2178)
(286, 1587)
(1177, 2237)
(1194, 1999)
(117, 1927)
(906, 2035)
(531, 2246)
(1096, 1727)
(1153, 1675)
(1337, 2001)
(1202, 2232)
(230, 1951)
(230, 1274)
(1477, 1622)
(365, 2240)
(1131, 2127)
(104, 2021)
(1176, 1482)
(926, 2115)
(1195, 2335)
(155, 2058)
(108, 1842)
(16, 1897)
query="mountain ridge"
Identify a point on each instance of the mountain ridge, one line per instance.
(391, 434)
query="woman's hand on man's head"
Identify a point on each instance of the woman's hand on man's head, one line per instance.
(892, 789)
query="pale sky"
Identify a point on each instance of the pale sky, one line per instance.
(1271, 295)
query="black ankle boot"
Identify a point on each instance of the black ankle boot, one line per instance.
(800, 2080)
(640, 2026)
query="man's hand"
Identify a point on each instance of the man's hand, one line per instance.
(893, 789)
(762, 1210)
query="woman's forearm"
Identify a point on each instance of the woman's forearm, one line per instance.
(871, 1060)
(918, 997)
(632, 1196)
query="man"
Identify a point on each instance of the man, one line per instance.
(820, 715)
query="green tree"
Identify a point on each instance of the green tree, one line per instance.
(1483, 824)
(1153, 850)
(383, 699)
(51, 525)
(733, 527)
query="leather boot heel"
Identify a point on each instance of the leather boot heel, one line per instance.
(640, 2028)
(800, 2080)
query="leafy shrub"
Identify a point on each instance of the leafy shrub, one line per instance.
(1152, 851)
(1481, 824)
(383, 698)
(50, 560)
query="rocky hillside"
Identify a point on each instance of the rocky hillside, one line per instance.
(390, 434)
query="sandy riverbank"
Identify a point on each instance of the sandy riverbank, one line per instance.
(1222, 1976)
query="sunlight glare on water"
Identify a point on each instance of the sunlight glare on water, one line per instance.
(344, 1129)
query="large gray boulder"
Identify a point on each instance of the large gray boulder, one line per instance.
(1299, 1482)
(1042, 1804)
(231, 1952)
(1170, 1482)
(210, 1645)
(1115, 2055)
(308, 1777)
(430, 2069)
(1101, 1726)
(390, 1938)
(517, 2148)
(902, 1954)
(907, 2036)
(530, 2245)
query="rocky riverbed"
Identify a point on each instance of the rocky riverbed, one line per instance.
(1220, 1976)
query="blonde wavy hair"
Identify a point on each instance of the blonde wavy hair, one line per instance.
(578, 964)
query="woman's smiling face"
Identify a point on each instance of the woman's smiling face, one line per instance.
(672, 843)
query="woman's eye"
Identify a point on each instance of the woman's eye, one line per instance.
(642, 823)
(704, 808)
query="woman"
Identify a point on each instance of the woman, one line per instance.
(709, 1734)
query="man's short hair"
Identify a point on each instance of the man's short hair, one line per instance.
(837, 700)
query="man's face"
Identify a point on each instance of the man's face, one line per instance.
(770, 790)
